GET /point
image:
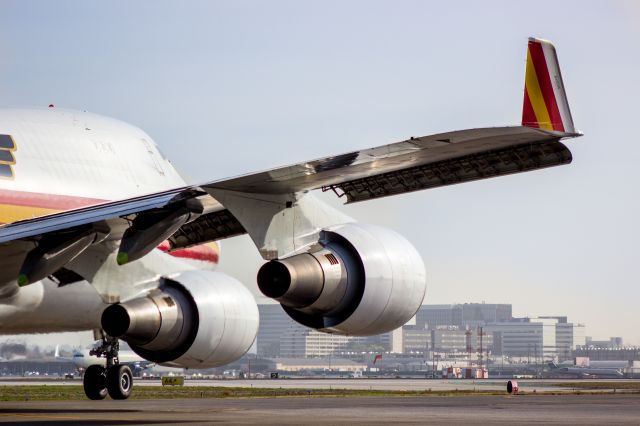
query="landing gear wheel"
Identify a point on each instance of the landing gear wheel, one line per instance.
(119, 381)
(95, 382)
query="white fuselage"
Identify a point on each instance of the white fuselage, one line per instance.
(62, 160)
(83, 155)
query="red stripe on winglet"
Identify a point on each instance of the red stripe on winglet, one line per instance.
(528, 116)
(544, 80)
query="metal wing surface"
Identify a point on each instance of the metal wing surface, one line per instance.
(414, 164)
(410, 165)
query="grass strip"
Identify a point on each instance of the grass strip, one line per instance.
(76, 393)
(71, 393)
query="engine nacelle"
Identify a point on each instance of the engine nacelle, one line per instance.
(364, 280)
(195, 319)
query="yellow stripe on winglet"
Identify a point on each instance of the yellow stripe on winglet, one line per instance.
(535, 95)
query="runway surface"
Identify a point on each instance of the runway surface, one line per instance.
(390, 384)
(468, 410)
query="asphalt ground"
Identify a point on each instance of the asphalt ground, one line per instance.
(468, 410)
(389, 384)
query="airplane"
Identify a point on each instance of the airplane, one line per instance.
(83, 359)
(581, 372)
(94, 216)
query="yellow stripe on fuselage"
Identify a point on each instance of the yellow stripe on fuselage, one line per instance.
(535, 95)
(11, 213)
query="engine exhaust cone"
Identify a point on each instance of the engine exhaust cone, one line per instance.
(274, 279)
(115, 320)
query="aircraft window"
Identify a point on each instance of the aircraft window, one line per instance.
(6, 142)
(5, 171)
(6, 157)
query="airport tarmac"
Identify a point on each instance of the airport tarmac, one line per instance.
(468, 410)
(389, 384)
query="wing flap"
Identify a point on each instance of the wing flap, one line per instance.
(510, 160)
(208, 227)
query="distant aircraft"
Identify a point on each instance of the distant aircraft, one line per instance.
(83, 359)
(101, 232)
(581, 372)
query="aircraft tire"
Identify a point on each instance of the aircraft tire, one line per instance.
(119, 381)
(95, 382)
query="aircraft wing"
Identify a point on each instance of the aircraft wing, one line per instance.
(414, 164)
(411, 165)
(257, 203)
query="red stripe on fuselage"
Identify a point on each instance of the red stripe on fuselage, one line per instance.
(544, 80)
(46, 201)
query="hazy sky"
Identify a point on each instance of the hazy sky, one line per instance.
(231, 87)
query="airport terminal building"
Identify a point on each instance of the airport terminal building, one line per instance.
(442, 329)
(463, 315)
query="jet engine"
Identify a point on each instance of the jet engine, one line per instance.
(195, 319)
(361, 280)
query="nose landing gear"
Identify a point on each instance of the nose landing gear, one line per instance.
(115, 379)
